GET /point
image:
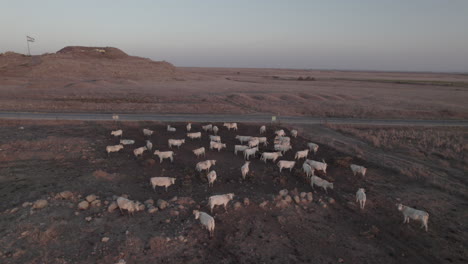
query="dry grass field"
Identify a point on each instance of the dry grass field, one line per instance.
(39, 159)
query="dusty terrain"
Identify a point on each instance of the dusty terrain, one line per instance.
(83, 79)
(40, 159)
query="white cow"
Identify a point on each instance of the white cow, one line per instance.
(271, 156)
(317, 165)
(313, 147)
(358, 169)
(284, 164)
(250, 152)
(301, 154)
(164, 155)
(175, 142)
(205, 165)
(199, 151)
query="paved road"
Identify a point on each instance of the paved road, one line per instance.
(226, 118)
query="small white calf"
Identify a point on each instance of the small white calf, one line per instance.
(414, 214)
(199, 151)
(245, 169)
(162, 181)
(271, 156)
(194, 135)
(263, 140)
(127, 142)
(361, 197)
(280, 133)
(294, 133)
(149, 145)
(189, 127)
(117, 133)
(206, 220)
(250, 152)
(164, 155)
(358, 169)
(215, 138)
(217, 145)
(283, 148)
(114, 148)
(243, 139)
(222, 199)
(205, 165)
(301, 154)
(171, 129)
(317, 165)
(262, 129)
(315, 180)
(139, 151)
(240, 148)
(253, 142)
(175, 142)
(307, 170)
(215, 130)
(211, 176)
(207, 127)
(313, 147)
(284, 164)
(230, 125)
(147, 132)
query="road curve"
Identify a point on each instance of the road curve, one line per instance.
(227, 118)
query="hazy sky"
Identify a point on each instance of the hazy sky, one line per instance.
(401, 35)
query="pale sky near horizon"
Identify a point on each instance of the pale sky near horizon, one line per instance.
(394, 35)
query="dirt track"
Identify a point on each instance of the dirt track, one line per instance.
(47, 158)
(227, 118)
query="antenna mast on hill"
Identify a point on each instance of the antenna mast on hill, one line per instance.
(29, 39)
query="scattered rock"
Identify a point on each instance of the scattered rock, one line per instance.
(281, 219)
(141, 207)
(297, 199)
(39, 204)
(121, 261)
(88, 218)
(263, 204)
(104, 239)
(26, 204)
(303, 194)
(65, 195)
(106, 202)
(331, 200)
(283, 192)
(288, 199)
(112, 207)
(96, 203)
(174, 199)
(282, 204)
(152, 209)
(323, 204)
(181, 207)
(237, 205)
(168, 221)
(83, 205)
(124, 196)
(91, 198)
(185, 200)
(174, 213)
(14, 210)
(181, 238)
(148, 202)
(310, 196)
(77, 213)
(340, 260)
(161, 204)
(246, 202)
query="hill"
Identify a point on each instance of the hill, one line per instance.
(84, 64)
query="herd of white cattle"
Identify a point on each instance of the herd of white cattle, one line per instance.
(250, 147)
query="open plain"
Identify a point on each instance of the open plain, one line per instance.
(79, 79)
